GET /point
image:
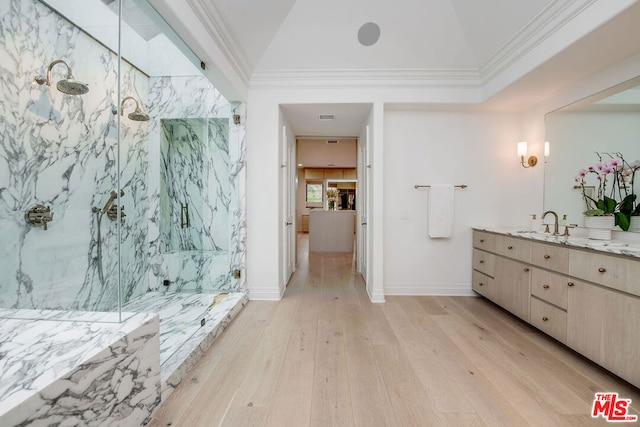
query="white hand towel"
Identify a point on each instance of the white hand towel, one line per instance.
(440, 211)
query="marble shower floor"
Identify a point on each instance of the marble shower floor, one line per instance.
(181, 316)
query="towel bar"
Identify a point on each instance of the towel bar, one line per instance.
(426, 186)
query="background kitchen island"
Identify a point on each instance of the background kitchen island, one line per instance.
(331, 231)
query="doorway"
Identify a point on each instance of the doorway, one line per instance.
(325, 125)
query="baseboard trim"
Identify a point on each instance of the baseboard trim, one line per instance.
(375, 296)
(265, 294)
(430, 290)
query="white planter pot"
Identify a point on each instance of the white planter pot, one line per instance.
(599, 227)
(634, 224)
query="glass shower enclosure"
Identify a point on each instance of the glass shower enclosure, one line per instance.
(121, 168)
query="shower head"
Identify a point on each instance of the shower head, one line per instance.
(70, 85)
(138, 115)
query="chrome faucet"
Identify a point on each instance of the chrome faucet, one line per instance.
(555, 224)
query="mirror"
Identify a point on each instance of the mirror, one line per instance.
(607, 122)
(346, 193)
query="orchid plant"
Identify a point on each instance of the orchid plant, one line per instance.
(614, 181)
(332, 194)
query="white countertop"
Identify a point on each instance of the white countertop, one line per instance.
(629, 246)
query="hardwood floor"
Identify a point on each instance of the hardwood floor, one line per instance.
(325, 356)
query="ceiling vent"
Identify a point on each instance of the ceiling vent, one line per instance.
(332, 141)
(325, 117)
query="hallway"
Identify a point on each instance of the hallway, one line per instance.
(324, 355)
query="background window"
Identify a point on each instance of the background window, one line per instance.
(314, 192)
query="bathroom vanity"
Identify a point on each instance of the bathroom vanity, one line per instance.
(584, 294)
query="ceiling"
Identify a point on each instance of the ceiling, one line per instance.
(305, 121)
(460, 43)
(441, 35)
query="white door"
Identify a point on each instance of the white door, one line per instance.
(287, 180)
(292, 177)
(362, 205)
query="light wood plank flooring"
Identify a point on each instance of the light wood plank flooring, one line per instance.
(325, 356)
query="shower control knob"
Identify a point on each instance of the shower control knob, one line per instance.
(39, 216)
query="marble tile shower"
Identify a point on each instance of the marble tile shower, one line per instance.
(68, 153)
(111, 190)
(60, 151)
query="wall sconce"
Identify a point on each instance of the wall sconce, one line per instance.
(522, 153)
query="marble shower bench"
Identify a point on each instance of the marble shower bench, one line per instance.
(83, 372)
(85, 368)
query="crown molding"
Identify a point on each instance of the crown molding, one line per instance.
(317, 78)
(540, 28)
(222, 35)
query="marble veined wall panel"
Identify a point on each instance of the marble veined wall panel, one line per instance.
(61, 151)
(237, 204)
(194, 188)
(196, 110)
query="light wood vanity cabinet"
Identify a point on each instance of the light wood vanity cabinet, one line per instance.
(484, 241)
(603, 325)
(483, 285)
(503, 280)
(483, 262)
(622, 273)
(549, 319)
(587, 299)
(514, 248)
(551, 257)
(512, 280)
(549, 287)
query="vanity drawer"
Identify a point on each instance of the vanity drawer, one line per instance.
(553, 257)
(484, 241)
(512, 247)
(483, 261)
(615, 272)
(549, 319)
(550, 287)
(482, 284)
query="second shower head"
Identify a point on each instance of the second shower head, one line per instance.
(137, 115)
(70, 85)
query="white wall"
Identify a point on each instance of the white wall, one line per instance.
(263, 203)
(473, 148)
(444, 147)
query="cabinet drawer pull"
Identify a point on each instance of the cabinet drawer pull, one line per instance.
(481, 284)
(481, 240)
(509, 247)
(526, 269)
(481, 261)
(602, 270)
(545, 286)
(547, 256)
(544, 319)
(570, 284)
